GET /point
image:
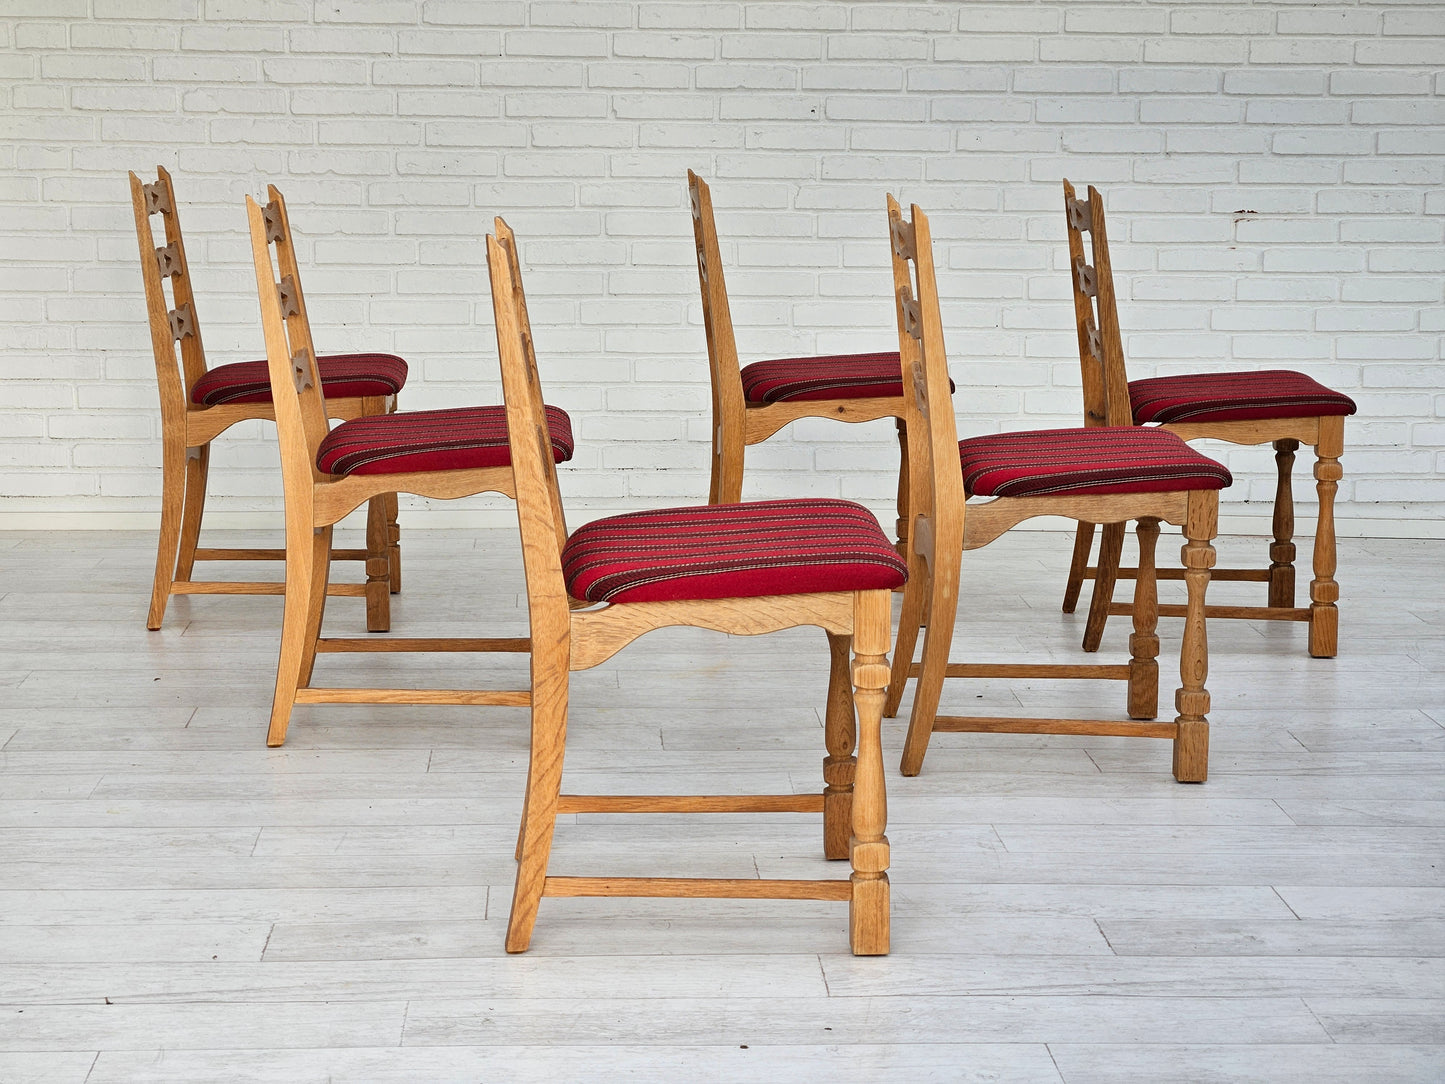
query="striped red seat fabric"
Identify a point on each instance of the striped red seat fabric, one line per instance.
(1220, 397)
(457, 438)
(839, 376)
(343, 376)
(731, 551)
(1107, 459)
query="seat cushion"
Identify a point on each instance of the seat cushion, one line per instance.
(731, 551)
(457, 438)
(343, 376)
(1108, 459)
(1234, 397)
(838, 376)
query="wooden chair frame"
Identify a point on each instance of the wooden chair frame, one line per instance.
(567, 638)
(737, 423)
(1106, 402)
(187, 429)
(315, 502)
(944, 526)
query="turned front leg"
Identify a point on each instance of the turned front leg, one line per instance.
(1191, 742)
(839, 764)
(1144, 643)
(868, 850)
(1324, 591)
(1281, 550)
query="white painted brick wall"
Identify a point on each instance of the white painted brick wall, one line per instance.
(1274, 175)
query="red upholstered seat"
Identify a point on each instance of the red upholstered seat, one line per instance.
(731, 551)
(343, 376)
(456, 438)
(1108, 459)
(840, 376)
(1221, 397)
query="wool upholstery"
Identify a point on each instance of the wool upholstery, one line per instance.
(840, 376)
(746, 550)
(343, 376)
(1219, 397)
(1105, 459)
(455, 438)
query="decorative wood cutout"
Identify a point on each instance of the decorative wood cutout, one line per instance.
(693, 199)
(158, 199)
(1095, 343)
(702, 266)
(1079, 215)
(912, 318)
(286, 291)
(1086, 278)
(193, 453)
(168, 259)
(920, 388)
(301, 370)
(271, 215)
(183, 322)
(901, 234)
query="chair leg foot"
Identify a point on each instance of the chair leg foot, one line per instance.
(868, 915)
(1191, 752)
(1324, 630)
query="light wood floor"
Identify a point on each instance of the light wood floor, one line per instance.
(178, 903)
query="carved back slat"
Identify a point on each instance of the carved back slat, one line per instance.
(1096, 312)
(722, 351)
(936, 495)
(508, 241)
(533, 466)
(180, 356)
(290, 354)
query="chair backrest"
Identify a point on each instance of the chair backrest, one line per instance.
(508, 241)
(170, 323)
(534, 471)
(936, 495)
(290, 355)
(722, 350)
(1096, 313)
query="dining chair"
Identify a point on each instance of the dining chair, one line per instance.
(735, 568)
(751, 403)
(1279, 407)
(1095, 475)
(199, 403)
(443, 454)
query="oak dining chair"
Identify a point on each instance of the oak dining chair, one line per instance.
(199, 403)
(1279, 407)
(444, 454)
(1097, 475)
(735, 568)
(752, 403)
